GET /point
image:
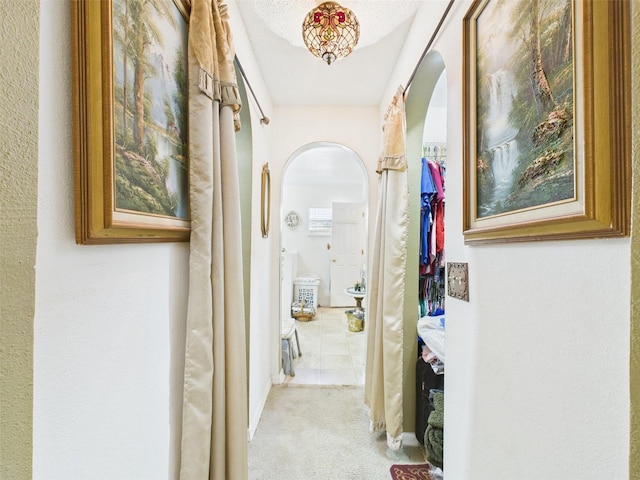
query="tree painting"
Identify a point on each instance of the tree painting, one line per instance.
(525, 105)
(150, 107)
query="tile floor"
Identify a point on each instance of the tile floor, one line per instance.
(331, 354)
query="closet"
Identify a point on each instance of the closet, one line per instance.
(432, 199)
(430, 364)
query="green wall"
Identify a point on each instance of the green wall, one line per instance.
(19, 37)
(245, 169)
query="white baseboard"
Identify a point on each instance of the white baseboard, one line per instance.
(253, 423)
(278, 379)
(409, 439)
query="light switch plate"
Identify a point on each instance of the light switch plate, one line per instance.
(458, 280)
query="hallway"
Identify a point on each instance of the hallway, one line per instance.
(93, 336)
(321, 432)
(331, 354)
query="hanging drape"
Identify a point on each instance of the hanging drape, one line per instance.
(214, 422)
(385, 289)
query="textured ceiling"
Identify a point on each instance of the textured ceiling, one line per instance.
(377, 18)
(294, 77)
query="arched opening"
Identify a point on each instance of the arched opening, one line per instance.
(426, 137)
(323, 244)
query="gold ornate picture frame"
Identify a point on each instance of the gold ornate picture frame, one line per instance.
(546, 142)
(130, 121)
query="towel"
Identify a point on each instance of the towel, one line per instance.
(434, 435)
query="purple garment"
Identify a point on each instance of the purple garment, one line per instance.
(427, 191)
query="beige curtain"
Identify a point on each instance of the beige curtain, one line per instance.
(214, 422)
(385, 289)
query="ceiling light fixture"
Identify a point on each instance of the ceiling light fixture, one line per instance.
(330, 31)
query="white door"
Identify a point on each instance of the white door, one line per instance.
(347, 250)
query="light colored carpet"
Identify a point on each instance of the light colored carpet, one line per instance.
(313, 432)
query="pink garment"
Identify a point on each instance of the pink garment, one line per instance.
(434, 168)
(433, 242)
(427, 355)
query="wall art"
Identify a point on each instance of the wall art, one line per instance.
(546, 141)
(130, 121)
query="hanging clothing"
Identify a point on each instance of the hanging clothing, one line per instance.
(437, 179)
(431, 252)
(439, 226)
(438, 207)
(427, 192)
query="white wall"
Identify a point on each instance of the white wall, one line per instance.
(313, 254)
(538, 359)
(357, 128)
(435, 124)
(109, 322)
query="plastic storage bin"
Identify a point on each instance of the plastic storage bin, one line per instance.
(305, 287)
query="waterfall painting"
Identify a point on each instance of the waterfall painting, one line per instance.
(150, 108)
(524, 105)
(131, 120)
(537, 116)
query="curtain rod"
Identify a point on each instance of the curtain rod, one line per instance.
(264, 120)
(426, 49)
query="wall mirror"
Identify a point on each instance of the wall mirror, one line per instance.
(265, 201)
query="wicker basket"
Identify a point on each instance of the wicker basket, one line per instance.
(300, 311)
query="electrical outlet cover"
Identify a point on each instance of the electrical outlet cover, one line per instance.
(458, 280)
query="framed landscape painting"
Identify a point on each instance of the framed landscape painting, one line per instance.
(130, 121)
(546, 120)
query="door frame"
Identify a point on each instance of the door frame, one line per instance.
(366, 199)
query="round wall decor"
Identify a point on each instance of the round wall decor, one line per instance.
(292, 219)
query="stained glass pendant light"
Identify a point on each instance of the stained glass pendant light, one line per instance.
(330, 31)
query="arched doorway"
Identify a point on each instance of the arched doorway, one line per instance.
(426, 127)
(319, 181)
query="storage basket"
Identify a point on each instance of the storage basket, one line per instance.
(305, 287)
(302, 312)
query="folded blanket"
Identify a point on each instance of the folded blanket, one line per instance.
(434, 435)
(436, 417)
(434, 446)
